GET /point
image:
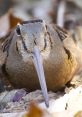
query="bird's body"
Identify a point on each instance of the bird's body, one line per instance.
(59, 63)
(58, 68)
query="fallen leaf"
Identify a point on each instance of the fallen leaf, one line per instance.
(13, 20)
(4, 25)
(8, 22)
(78, 114)
(34, 111)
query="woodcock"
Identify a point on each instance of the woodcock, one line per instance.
(36, 52)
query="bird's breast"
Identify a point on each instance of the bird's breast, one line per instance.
(57, 70)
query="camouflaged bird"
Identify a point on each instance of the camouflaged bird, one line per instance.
(36, 50)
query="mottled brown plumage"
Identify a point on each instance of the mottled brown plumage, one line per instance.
(58, 58)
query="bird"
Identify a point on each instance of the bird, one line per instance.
(39, 52)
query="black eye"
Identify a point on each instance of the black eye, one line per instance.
(18, 30)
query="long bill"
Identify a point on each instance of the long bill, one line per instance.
(40, 72)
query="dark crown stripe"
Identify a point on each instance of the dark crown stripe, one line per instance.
(32, 21)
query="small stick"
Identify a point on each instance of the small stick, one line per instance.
(60, 13)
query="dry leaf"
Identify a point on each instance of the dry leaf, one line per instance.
(8, 22)
(34, 111)
(13, 20)
(4, 25)
(78, 114)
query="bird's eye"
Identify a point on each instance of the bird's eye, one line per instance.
(18, 30)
